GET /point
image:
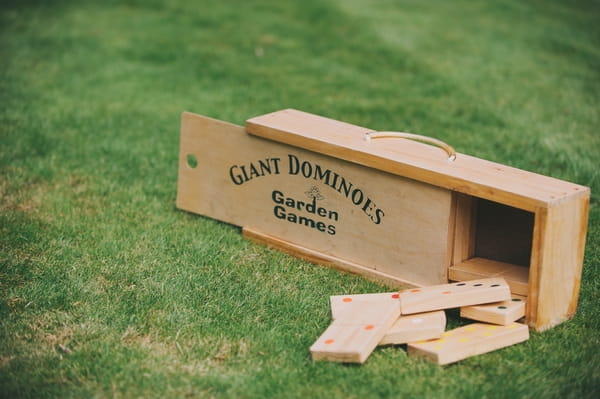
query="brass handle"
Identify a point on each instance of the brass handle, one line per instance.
(417, 137)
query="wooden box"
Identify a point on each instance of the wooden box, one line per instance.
(394, 210)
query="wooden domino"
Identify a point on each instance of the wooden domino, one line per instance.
(353, 335)
(405, 329)
(343, 303)
(471, 340)
(454, 295)
(503, 313)
(415, 327)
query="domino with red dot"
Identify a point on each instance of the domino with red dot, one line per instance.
(454, 295)
(353, 335)
(343, 303)
(406, 329)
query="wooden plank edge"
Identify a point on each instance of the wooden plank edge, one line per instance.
(506, 339)
(412, 170)
(325, 259)
(584, 218)
(535, 313)
(469, 270)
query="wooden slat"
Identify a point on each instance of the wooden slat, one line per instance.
(455, 295)
(352, 337)
(557, 259)
(313, 256)
(341, 304)
(406, 329)
(470, 340)
(476, 268)
(503, 313)
(464, 228)
(469, 175)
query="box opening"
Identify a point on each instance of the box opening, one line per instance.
(491, 240)
(503, 233)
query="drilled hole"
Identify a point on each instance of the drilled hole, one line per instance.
(192, 161)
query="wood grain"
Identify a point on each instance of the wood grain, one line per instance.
(389, 224)
(504, 312)
(447, 296)
(517, 277)
(354, 335)
(468, 175)
(416, 327)
(405, 329)
(470, 340)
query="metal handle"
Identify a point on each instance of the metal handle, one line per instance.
(411, 136)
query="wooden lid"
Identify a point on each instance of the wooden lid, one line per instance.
(414, 160)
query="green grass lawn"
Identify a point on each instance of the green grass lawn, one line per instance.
(107, 290)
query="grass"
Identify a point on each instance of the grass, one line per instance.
(107, 290)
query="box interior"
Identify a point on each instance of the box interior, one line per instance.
(497, 242)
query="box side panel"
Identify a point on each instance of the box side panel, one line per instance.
(559, 241)
(384, 222)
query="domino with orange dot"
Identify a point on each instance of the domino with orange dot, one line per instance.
(467, 341)
(354, 335)
(454, 295)
(343, 303)
(502, 313)
(406, 329)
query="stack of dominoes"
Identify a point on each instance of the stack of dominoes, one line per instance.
(416, 317)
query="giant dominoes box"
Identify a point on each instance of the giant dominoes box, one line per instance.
(394, 210)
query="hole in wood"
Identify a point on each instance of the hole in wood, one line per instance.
(192, 161)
